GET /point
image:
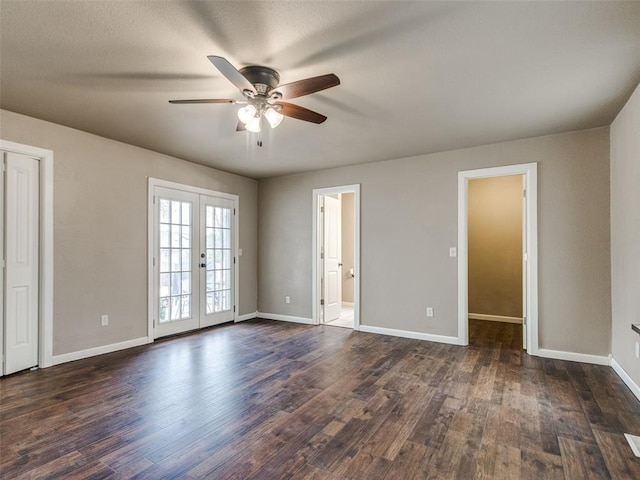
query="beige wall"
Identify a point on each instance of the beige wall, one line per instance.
(495, 246)
(625, 235)
(409, 221)
(100, 229)
(347, 246)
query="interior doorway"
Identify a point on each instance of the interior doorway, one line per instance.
(524, 182)
(495, 233)
(336, 255)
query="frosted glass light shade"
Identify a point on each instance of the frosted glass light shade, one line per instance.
(273, 117)
(253, 125)
(246, 113)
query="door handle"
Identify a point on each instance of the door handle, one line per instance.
(339, 264)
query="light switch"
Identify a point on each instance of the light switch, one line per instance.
(453, 251)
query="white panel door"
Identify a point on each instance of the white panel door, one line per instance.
(216, 261)
(22, 263)
(176, 265)
(332, 284)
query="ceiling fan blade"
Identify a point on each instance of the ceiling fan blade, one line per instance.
(301, 113)
(232, 74)
(240, 127)
(204, 100)
(307, 86)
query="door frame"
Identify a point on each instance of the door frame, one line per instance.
(45, 274)
(316, 272)
(530, 239)
(151, 238)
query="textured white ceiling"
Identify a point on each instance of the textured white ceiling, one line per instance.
(417, 77)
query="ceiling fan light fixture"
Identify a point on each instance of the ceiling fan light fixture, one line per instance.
(253, 125)
(246, 113)
(273, 117)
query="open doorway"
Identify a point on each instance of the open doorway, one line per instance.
(498, 282)
(495, 254)
(336, 256)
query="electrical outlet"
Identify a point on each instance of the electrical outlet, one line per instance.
(287, 299)
(429, 311)
(104, 320)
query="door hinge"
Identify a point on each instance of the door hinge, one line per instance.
(154, 199)
(524, 193)
(234, 211)
(525, 257)
(321, 209)
(524, 320)
(154, 261)
(234, 260)
(234, 308)
(322, 301)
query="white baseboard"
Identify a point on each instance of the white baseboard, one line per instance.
(495, 318)
(633, 386)
(92, 352)
(573, 357)
(246, 316)
(408, 334)
(285, 318)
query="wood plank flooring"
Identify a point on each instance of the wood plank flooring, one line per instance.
(271, 400)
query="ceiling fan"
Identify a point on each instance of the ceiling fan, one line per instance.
(259, 86)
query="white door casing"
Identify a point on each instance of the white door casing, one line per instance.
(21, 285)
(530, 242)
(332, 275)
(524, 263)
(316, 242)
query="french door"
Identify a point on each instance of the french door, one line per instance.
(193, 261)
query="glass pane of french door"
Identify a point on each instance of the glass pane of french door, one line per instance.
(176, 267)
(217, 276)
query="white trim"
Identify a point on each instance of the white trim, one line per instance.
(408, 334)
(315, 274)
(248, 316)
(495, 318)
(628, 381)
(156, 182)
(101, 350)
(347, 304)
(634, 443)
(45, 157)
(285, 318)
(529, 170)
(573, 357)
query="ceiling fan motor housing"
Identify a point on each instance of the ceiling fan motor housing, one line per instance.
(264, 79)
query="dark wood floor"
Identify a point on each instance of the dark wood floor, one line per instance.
(270, 400)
